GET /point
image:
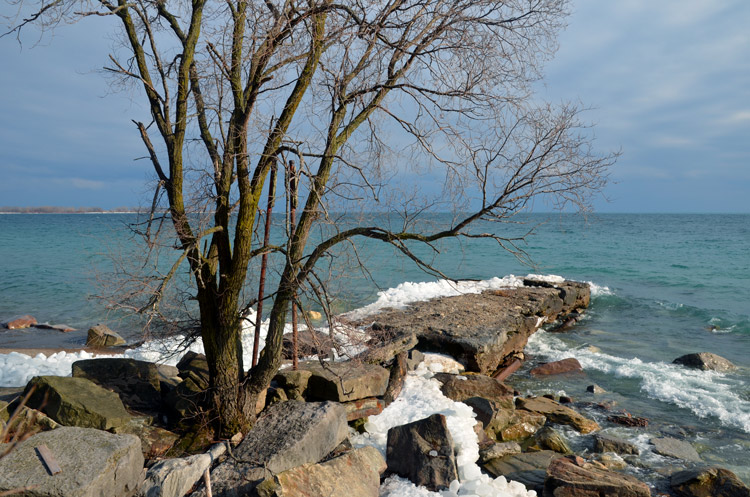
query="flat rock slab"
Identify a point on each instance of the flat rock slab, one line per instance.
(679, 449)
(557, 413)
(356, 473)
(481, 330)
(289, 434)
(567, 478)
(705, 361)
(423, 452)
(708, 482)
(529, 468)
(94, 463)
(77, 402)
(345, 381)
(137, 382)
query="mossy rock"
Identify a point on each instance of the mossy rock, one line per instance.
(77, 402)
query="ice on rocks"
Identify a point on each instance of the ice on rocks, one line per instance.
(420, 398)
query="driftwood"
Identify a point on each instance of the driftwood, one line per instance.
(48, 459)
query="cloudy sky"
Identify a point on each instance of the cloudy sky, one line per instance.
(668, 83)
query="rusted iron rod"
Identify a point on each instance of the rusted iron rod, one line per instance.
(293, 222)
(264, 263)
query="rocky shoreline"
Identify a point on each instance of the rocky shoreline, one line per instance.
(125, 427)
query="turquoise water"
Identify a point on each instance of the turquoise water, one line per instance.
(666, 285)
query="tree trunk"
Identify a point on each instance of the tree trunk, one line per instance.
(231, 400)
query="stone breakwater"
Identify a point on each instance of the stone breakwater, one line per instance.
(373, 426)
(483, 331)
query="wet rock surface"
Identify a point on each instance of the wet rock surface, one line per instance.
(557, 413)
(705, 361)
(708, 482)
(20, 322)
(609, 443)
(549, 439)
(565, 366)
(529, 468)
(678, 449)
(572, 477)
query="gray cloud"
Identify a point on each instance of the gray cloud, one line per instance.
(669, 82)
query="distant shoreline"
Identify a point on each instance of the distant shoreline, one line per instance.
(92, 212)
(67, 210)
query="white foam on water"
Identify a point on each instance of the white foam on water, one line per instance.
(598, 290)
(705, 393)
(421, 397)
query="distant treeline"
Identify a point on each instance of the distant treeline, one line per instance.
(47, 209)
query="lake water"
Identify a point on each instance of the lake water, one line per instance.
(664, 285)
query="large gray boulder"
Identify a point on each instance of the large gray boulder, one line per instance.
(571, 477)
(77, 402)
(289, 434)
(705, 361)
(94, 463)
(356, 473)
(175, 477)
(708, 482)
(346, 381)
(422, 451)
(137, 382)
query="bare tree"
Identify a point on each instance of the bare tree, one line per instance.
(353, 92)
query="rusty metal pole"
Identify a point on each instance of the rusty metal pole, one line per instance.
(263, 264)
(293, 222)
